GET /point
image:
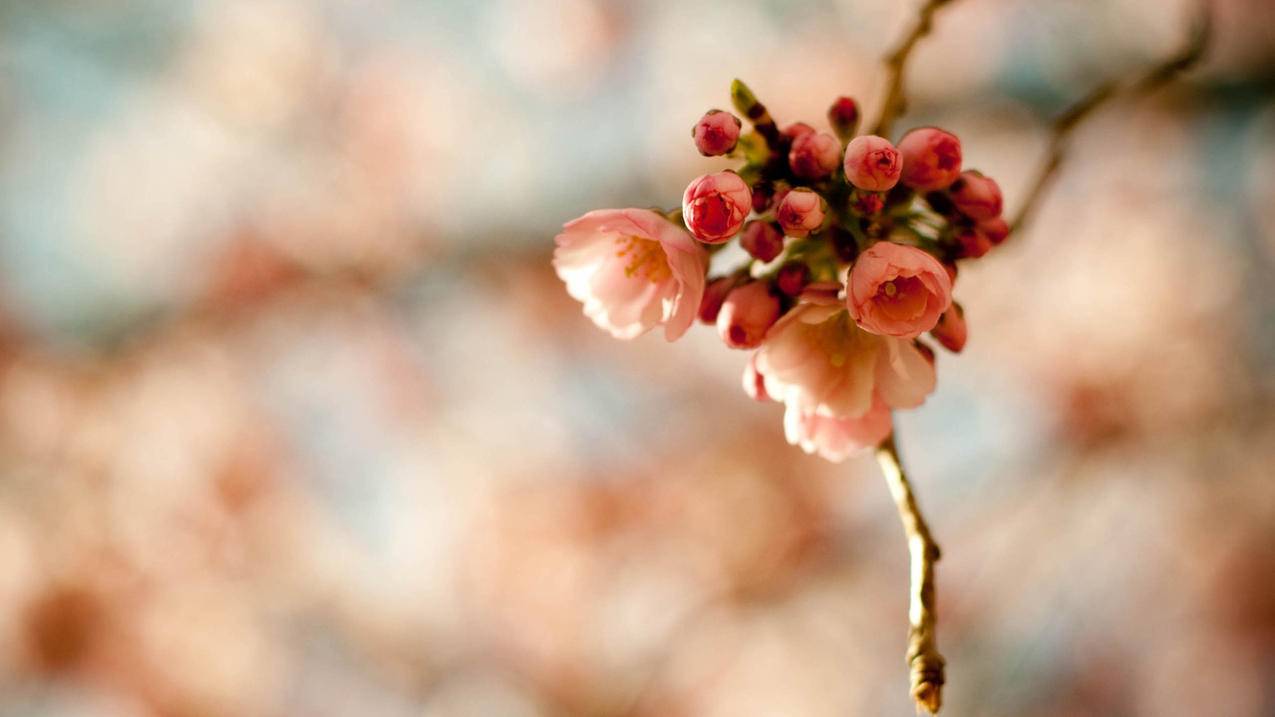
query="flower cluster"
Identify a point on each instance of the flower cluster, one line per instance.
(852, 245)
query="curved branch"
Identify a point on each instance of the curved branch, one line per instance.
(924, 661)
(1063, 126)
(896, 65)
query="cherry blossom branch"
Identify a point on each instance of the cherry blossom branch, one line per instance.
(896, 65)
(924, 660)
(1063, 126)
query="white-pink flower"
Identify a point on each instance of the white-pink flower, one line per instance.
(633, 270)
(836, 439)
(816, 359)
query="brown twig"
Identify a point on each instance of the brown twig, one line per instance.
(896, 65)
(1066, 123)
(924, 660)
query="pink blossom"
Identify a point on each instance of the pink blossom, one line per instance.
(716, 133)
(897, 290)
(762, 239)
(872, 163)
(817, 360)
(801, 212)
(836, 439)
(931, 158)
(632, 269)
(714, 206)
(747, 313)
(754, 383)
(951, 330)
(814, 155)
(978, 197)
(843, 116)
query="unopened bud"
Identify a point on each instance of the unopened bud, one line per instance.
(714, 295)
(762, 239)
(867, 203)
(746, 315)
(802, 211)
(814, 155)
(797, 129)
(996, 230)
(973, 243)
(926, 352)
(715, 206)
(951, 330)
(872, 163)
(978, 197)
(792, 278)
(716, 133)
(843, 115)
(931, 158)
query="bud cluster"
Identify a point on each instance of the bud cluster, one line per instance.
(852, 243)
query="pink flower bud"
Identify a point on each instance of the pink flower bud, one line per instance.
(814, 155)
(978, 197)
(872, 163)
(843, 116)
(747, 313)
(716, 133)
(926, 352)
(763, 192)
(797, 129)
(792, 278)
(762, 239)
(996, 230)
(801, 212)
(754, 382)
(867, 203)
(951, 330)
(714, 206)
(897, 290)
(714, 294)
(973, 243)
(931, 158)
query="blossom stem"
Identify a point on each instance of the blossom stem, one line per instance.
(924, 660)
(1066, 122)
(896, 65)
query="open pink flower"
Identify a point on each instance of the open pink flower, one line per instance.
(715, 206)
(632, 269)
(897, 290)
(817, 360)
(872, 163)
(754, 383)
(836, 439)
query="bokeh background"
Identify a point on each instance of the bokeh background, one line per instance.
(295, 418)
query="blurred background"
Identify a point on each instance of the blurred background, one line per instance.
(295, 418)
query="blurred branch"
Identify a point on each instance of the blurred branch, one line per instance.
(1190, 53)
(923, 657)
(896, 64)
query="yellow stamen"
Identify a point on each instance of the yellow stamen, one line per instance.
(646, 258)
